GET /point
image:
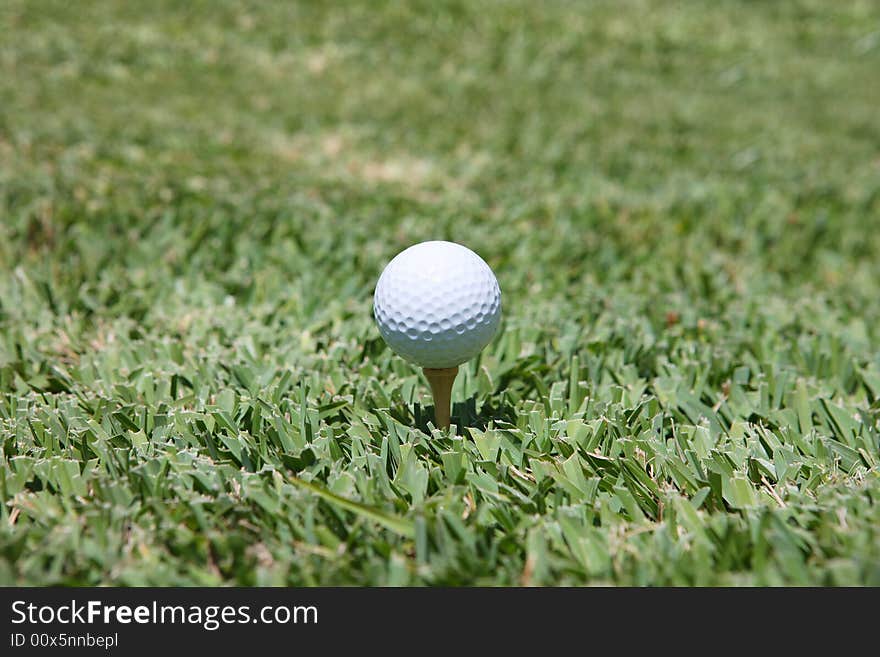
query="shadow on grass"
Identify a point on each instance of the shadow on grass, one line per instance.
(466, 416)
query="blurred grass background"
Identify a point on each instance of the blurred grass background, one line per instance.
(680, 200)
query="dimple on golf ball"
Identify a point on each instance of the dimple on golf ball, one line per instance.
(437, 304)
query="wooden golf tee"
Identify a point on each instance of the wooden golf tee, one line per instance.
(441, 380)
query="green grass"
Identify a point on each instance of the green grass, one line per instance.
(681, 201)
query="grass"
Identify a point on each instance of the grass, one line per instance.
(680, 201)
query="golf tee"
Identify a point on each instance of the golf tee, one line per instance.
(441, 380)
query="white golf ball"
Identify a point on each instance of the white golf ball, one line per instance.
(437, 304)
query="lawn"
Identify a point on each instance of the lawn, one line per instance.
(680, 200)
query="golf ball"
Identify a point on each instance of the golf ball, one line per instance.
(437, 304)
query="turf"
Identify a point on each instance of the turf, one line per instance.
(680, 201)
